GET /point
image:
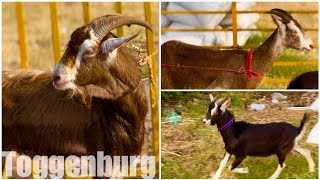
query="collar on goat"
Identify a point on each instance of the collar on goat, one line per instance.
(227, 125)
(248, 70)
(249, 66)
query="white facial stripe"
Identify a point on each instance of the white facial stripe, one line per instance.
(214, 110)
(87, 44)
(68, 74)
(305, 40)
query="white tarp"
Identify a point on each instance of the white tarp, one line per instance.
(187, 21)
(314, 134)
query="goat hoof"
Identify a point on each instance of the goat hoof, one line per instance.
(213, 176)
(241, 170)
(246, 170)
(311, 169)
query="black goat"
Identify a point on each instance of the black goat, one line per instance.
(243, 139)
(308, 80)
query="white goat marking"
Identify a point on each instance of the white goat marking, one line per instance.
(222, 165)
(214, 110)
(68, 74)
(276, 174)
(306, 153)
(65, 74)
(239, 170)
(305, 40)
(299, 137)
(207, 121)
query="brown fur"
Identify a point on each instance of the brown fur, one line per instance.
(178, 53)
(38, 119)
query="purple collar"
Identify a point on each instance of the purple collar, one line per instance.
(227, 125)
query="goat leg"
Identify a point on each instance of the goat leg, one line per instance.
(236, 163)
(276, 174)
(306, 153)
(222, 165)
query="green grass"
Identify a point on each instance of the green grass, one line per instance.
(191, 150)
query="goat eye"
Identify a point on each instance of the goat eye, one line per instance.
(88, 53)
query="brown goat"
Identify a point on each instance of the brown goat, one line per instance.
(289, 34)
(44, 112)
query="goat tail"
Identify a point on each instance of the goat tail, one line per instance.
(306, 118)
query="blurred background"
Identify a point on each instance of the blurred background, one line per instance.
(191, 150)
(282, 72)
(70, 15)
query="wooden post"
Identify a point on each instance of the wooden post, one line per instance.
(86, 12)
(153, 83)
(234, 25)
(24, 61)
(119, 10)
(55, 32)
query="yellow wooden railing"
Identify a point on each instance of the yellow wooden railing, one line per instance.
(22, 36)
(235, 31)
(120, 32)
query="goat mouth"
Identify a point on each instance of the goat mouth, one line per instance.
(306, 49)
(208, 123)
(63, 85)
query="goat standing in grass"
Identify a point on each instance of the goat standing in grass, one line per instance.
(289, 34)
(94, 100)
(243, 139)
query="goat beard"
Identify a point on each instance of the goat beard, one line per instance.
(80, 96)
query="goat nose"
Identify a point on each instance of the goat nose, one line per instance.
(311, 46)
(56, 78)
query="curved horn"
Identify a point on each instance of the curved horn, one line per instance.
(103, 25)
(281, 13)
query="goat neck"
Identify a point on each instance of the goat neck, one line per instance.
(268, 52)
(226, 134)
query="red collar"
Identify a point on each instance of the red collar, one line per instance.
(249, 57)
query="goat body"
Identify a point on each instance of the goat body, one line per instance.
(39, 119)
(178, 53)
(308, 80)
(289, 34)
(243, 139)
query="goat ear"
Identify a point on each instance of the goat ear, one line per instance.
(225, 105)
(97, 91)
(211, 98)
(278, 20)
(112, 44)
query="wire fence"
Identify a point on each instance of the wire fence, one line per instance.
(235, 31)
(151, 62)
